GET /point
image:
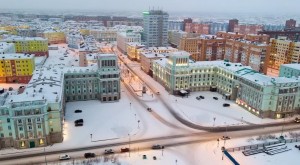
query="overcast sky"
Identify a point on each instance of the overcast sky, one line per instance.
(261, 6)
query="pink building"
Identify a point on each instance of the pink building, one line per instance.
(197, 28)
(248, 29)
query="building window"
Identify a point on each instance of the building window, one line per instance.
(20, 121)
(41, 141)
(29, 120)
(39, 126)
(9, 127)
(8, 120)
(29, 127)
(38, 119)
(22, 144)
(2, 135)
(10, 134)
(21, 128)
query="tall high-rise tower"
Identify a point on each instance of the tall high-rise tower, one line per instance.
(155, 28)
(231, 25)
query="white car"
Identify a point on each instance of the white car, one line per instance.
(64, 157)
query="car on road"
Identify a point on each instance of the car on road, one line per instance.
(78, 122)
(108, 151)
(156, 147)
(216, 98)
(226, 105)
(225, 138)
(297, 120)
(78, 111)
(198, 98)
(154, 158)
(124, 149)
(149, 109)
(89, 155)
(144, 156)
(202, 97)
(64, 157)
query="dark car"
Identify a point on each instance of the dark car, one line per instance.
(79, 121)
(149, 109)
(201, 97)
(226, 105)
(89, 155)
(124, 149)
(78, 111)
(154, 158)
(144, 156)
(215, 98)
(156, 147)
(225, 138)
(108, 151)
(297, 120)
(198, 98)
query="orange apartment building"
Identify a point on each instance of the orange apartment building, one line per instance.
(197, 28)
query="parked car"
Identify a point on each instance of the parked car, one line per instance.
(78, 111)
(297, 120)
(216, 98)
(198, 98)
(201, 97)
(144, 156)
(226, 105)
(124, 149)
(89, 155)
(108, 151)
(156, 147)
(64, 157)
(154, 158)
(78, 122)
(225, 138)
(149, 109)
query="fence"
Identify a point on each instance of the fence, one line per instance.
(256, 146)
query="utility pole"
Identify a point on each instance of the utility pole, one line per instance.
(45, 155)
(129, 144)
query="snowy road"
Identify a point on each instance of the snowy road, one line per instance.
(144, 144)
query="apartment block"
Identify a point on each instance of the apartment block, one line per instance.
(30, 45)
(16, 68)
(248, 29)
(283, 52)
(132, 50)
(123, 38)
(55, 37)
(199, 28)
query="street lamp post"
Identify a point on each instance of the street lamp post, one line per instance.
(138, 124)
(214, 121)
(91, 137)
(45, 155)
(129, 144)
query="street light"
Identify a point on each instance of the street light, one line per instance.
(91, 137)
(214, 121)
(45, 155)
(129, 144)
(138, 124)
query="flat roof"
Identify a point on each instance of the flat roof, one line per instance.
(264, 80)
(14, 56)
(18, 38)
(293, 66)
(5, 45)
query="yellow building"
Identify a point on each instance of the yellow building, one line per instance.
(16, 68)
(55, 37)
(283, 52)
(84, 31)
(132, 50)
(31, 45)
